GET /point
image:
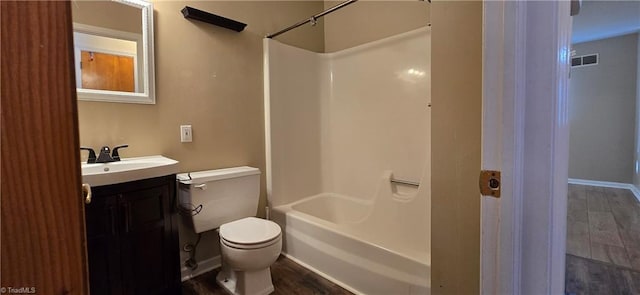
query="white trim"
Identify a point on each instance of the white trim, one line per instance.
(525, 91)
(203, 266)
(504, 55)
(322, 274)
(493, 54)
(636, 192)
(600, 183)
(546, 147)
(629, 186)
(267, 119)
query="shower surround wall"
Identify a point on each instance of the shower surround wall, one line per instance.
(336, 122)
(338, 127)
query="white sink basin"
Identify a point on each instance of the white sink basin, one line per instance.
(128, 169)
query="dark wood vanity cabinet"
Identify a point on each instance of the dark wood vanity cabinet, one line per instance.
(132, 238)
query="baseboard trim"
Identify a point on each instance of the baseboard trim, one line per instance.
(629, 186)
(203, 266)
(322, 274)
(636, 192)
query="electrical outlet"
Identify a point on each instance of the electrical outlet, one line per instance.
(186, 134)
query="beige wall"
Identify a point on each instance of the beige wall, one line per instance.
(100, 14)
(366, 21)
(456, 111)
(211, 78)
(208, 77)
(602, 111)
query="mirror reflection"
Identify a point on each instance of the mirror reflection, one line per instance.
(104, 69)
(110, 39)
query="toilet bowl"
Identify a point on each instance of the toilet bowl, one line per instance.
(227, 199)
(249, 247)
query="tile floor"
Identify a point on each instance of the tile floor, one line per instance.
(593, 277)
(288, 278)
(603, 241)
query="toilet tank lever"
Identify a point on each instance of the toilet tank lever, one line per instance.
(202, 186)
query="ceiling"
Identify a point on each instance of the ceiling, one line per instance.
(605, 19)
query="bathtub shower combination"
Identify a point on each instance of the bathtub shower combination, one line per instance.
(348, 160)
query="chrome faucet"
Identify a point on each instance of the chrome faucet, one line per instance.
(105, 155)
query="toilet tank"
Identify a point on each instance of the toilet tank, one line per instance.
(215, 197)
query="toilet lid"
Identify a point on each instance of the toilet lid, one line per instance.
(250, 230)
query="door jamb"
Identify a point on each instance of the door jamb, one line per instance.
(525, 135)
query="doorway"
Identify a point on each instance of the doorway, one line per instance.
(603, 211)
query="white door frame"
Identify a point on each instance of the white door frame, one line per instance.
(525, 135)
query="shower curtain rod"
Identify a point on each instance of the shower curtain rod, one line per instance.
(312, 19)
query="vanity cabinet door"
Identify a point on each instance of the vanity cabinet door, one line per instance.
(148, 246)
(103, 247)
(132, 238)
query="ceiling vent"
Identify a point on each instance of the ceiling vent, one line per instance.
(585, 60)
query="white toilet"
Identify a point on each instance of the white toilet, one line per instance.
(229, 200)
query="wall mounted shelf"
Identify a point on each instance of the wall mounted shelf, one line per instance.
(203, 16)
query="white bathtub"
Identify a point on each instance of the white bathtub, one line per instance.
(377, 246)
(336, 126)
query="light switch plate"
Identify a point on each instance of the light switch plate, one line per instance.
(186, 135)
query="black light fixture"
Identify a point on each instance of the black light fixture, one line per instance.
(203, 16)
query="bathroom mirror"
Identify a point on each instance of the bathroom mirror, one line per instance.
(113, 50)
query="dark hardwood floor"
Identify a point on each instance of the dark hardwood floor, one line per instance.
(288, 278)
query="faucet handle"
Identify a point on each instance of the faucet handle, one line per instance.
(92, 154)
(115, 155)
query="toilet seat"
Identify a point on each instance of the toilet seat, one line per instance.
(250, 233)
(250, 246)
